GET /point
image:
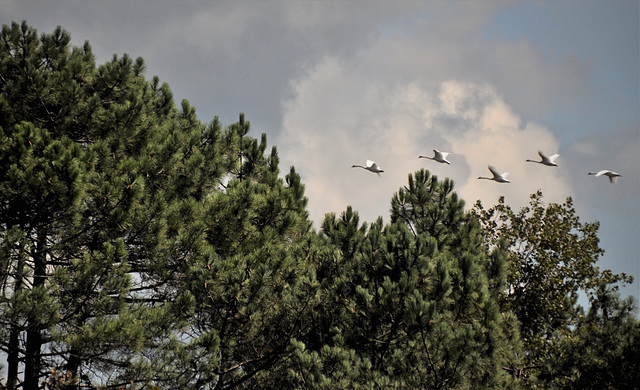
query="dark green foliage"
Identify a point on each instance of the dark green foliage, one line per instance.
(137, 243)
(407, 305)
(552, 257)
(428, 206)
(100, 177)
(602, 351)
(252, 288)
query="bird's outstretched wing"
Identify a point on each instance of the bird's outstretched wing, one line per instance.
(494, 171)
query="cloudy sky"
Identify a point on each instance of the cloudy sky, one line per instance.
(334, 83)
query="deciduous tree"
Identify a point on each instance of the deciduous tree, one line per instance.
(602, 349)
(552, 257)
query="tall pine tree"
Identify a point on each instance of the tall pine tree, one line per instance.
(100, 173)
(408, 304)
(251, 286)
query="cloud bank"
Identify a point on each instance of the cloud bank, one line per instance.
(342, 115)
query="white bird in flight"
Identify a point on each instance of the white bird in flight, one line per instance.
(438, 156)
(549, 161)
(613, 176)
(500, 178)
(371, 167)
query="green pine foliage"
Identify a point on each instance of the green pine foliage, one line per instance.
(141, 248)
(101, 177)
(408, 303)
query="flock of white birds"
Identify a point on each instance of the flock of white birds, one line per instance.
(441, 157)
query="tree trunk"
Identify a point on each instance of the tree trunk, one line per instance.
(33, 364)
(32, 359)
(13, 359)
(13, 351)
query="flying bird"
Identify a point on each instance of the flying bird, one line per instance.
(438, 156)
(371, 167)
(500, 178)
(613, 176)
(549, 161)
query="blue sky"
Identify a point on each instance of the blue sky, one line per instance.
(334, 83)
(598, 34)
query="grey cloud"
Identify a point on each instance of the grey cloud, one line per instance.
(228, 57)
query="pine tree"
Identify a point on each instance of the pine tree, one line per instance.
(251, 287)
(41, 182)
(137, 244)
(408, 304)
(101, 177)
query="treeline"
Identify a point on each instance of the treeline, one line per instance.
(142, 248)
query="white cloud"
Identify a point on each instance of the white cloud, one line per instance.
(342, 115)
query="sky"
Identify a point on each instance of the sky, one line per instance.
(336, 83)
